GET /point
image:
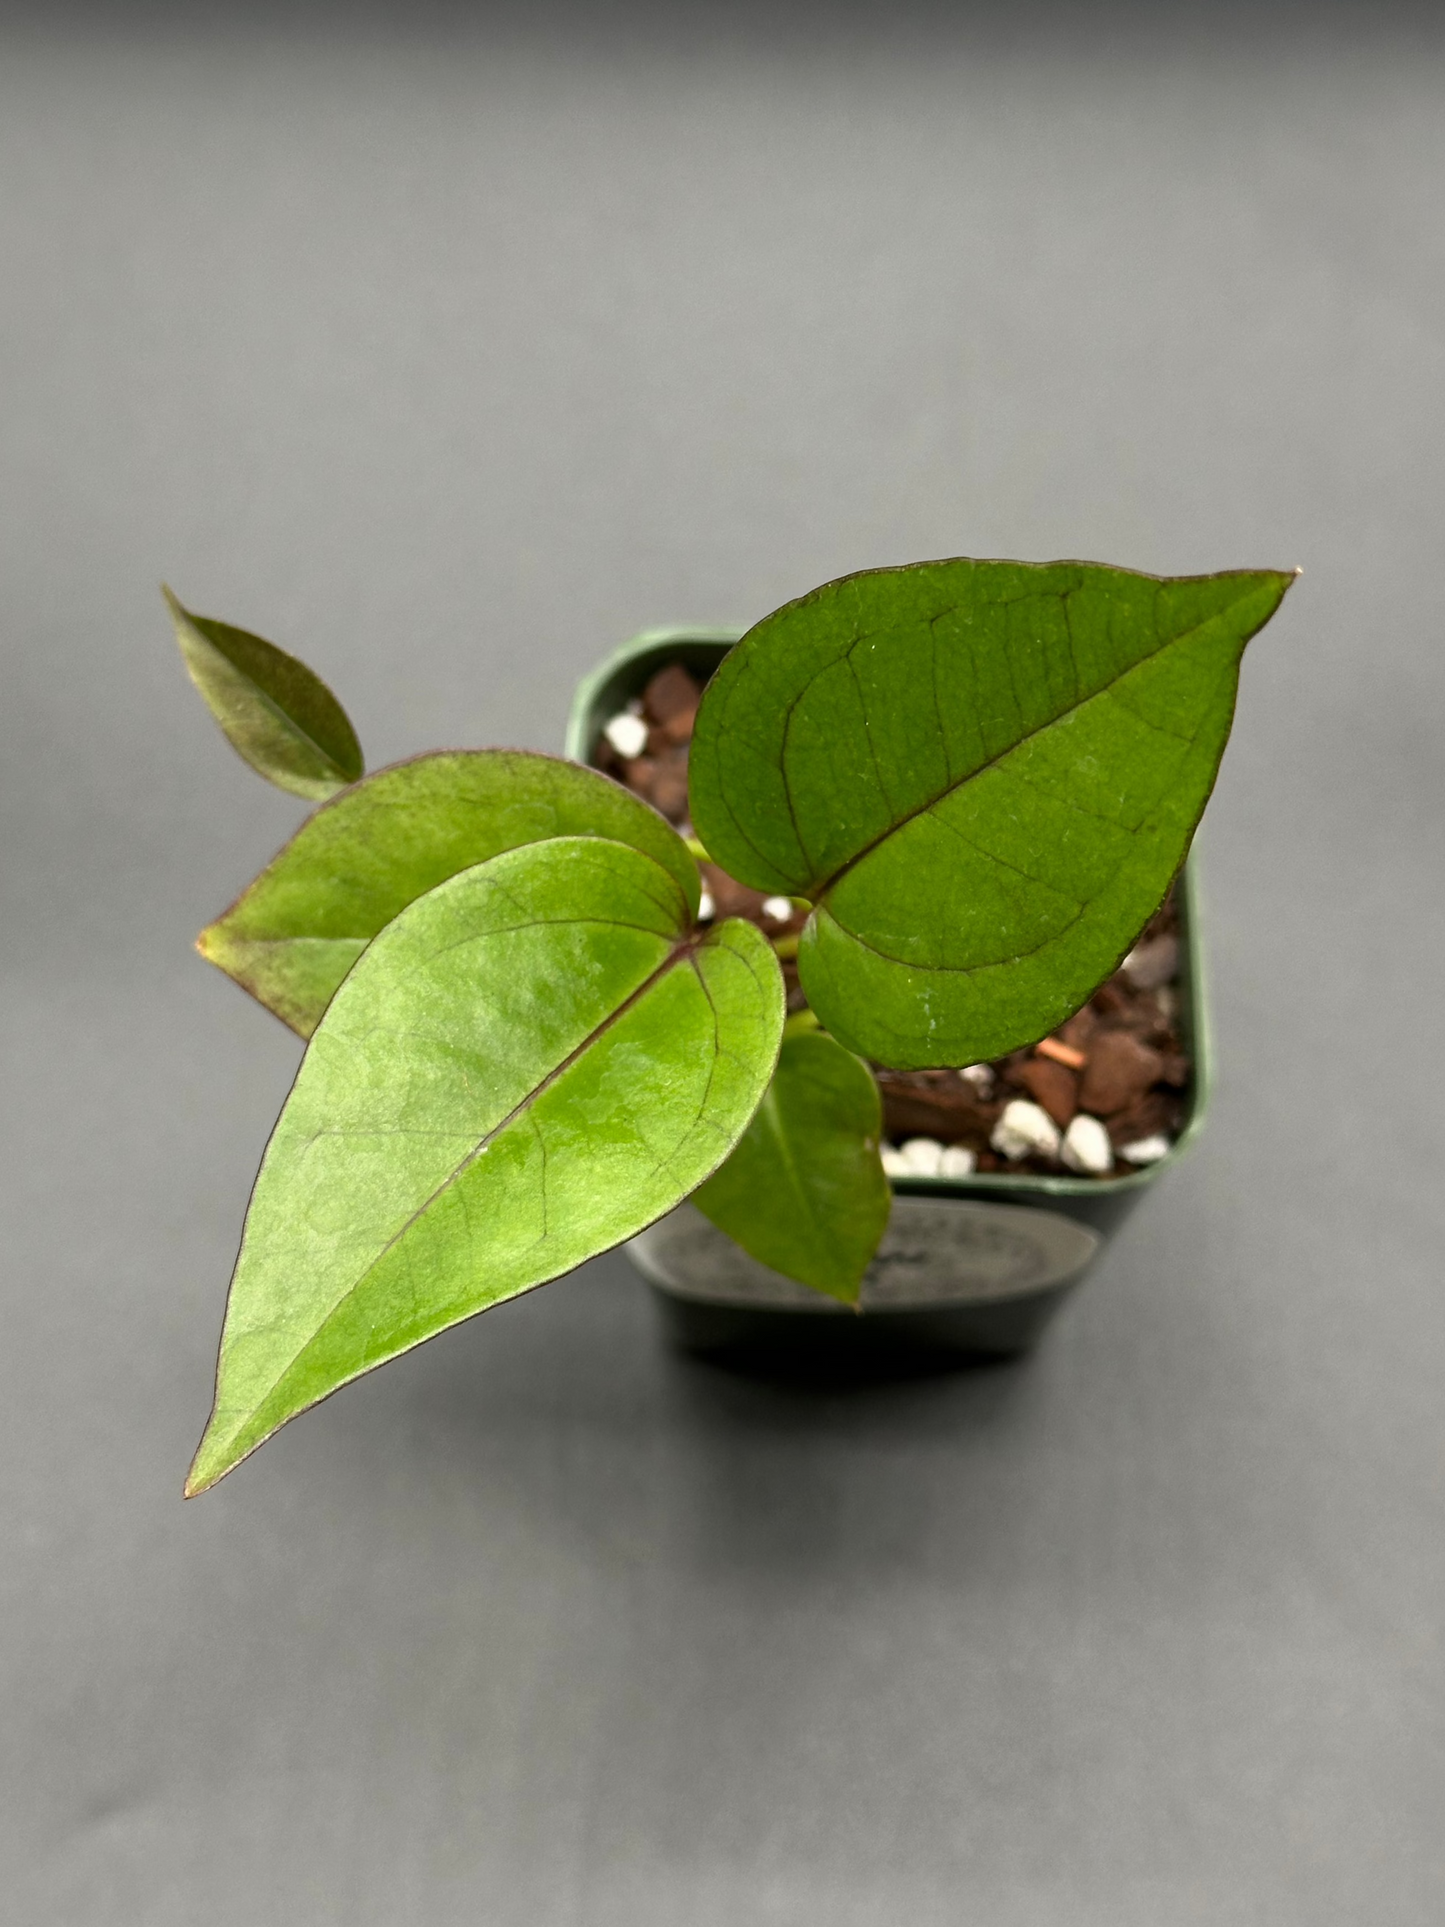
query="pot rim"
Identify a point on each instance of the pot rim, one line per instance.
(620, 676)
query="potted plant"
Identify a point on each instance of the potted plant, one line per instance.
(982, 1245)
(949, 801)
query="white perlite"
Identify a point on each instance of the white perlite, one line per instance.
(1148, 965)
(627, 734)
(1086, 1146)
(980, 1076)
(925, 1157)
(1025, 1130)
(1147, 1150)
(706, 908)
(779, 909)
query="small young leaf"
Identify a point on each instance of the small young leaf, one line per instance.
(984, 775)
(531, 1063)
(804, 1189)
(294, 933)
(277, 714)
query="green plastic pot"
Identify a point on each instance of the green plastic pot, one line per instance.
(974, 1266)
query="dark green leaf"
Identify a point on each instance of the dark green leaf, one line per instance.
(984, 774)
(804, 1190)
(535, 1060)
(277, 714)
(295, 932)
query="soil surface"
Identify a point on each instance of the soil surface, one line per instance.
(1120, 1059)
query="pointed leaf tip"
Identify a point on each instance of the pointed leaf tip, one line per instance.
(276, 713)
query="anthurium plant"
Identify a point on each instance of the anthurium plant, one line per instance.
(524, 1042)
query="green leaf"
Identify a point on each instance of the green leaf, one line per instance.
(984, 775)
(535, 1060)
(277, 714)
(292, 936)
(804, 1189)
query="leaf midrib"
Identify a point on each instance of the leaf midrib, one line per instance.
(774, 1113)
(304, 735)
(681, 952)
(330, 765)
(811, 885)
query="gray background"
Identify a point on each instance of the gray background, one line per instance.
(449, 354)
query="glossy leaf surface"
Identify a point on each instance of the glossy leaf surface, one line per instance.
(277, 714)
(804, 1190)
(984, 775)
(530, 1064)
(292, 936)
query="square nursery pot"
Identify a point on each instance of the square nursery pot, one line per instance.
(970, 1267)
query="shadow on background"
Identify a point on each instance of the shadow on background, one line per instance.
(570, 1408)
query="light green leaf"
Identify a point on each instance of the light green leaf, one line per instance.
(983, 774)
(277, 714)
(292, 936)
(804, 1189)
(535, 1060)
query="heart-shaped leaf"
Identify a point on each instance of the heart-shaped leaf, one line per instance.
(294, 933)
(277, 714)
(535, 1060)
(984, 774)
(804, 1190)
